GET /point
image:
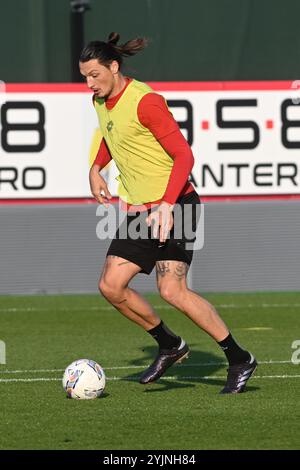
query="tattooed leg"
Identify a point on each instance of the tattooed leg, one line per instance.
(172, 285)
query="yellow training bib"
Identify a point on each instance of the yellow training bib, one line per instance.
(144, 165)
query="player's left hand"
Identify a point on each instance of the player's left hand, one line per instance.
(162, 220)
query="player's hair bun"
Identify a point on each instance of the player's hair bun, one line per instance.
(113, 38)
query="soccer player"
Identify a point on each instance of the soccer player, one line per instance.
(154, 161)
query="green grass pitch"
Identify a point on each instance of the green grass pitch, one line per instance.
(184, 410)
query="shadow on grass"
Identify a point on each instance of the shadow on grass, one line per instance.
(103, 396)
(200, 368)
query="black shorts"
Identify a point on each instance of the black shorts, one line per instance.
(140, 247)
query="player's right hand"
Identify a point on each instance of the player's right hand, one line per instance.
(99, 187)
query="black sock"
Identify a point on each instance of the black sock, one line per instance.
(166, 338)
(234, 353)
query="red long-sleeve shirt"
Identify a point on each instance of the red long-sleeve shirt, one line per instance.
(154, 114)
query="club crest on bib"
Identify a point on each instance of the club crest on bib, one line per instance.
(109, 126)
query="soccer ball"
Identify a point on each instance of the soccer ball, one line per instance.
(84, 380)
